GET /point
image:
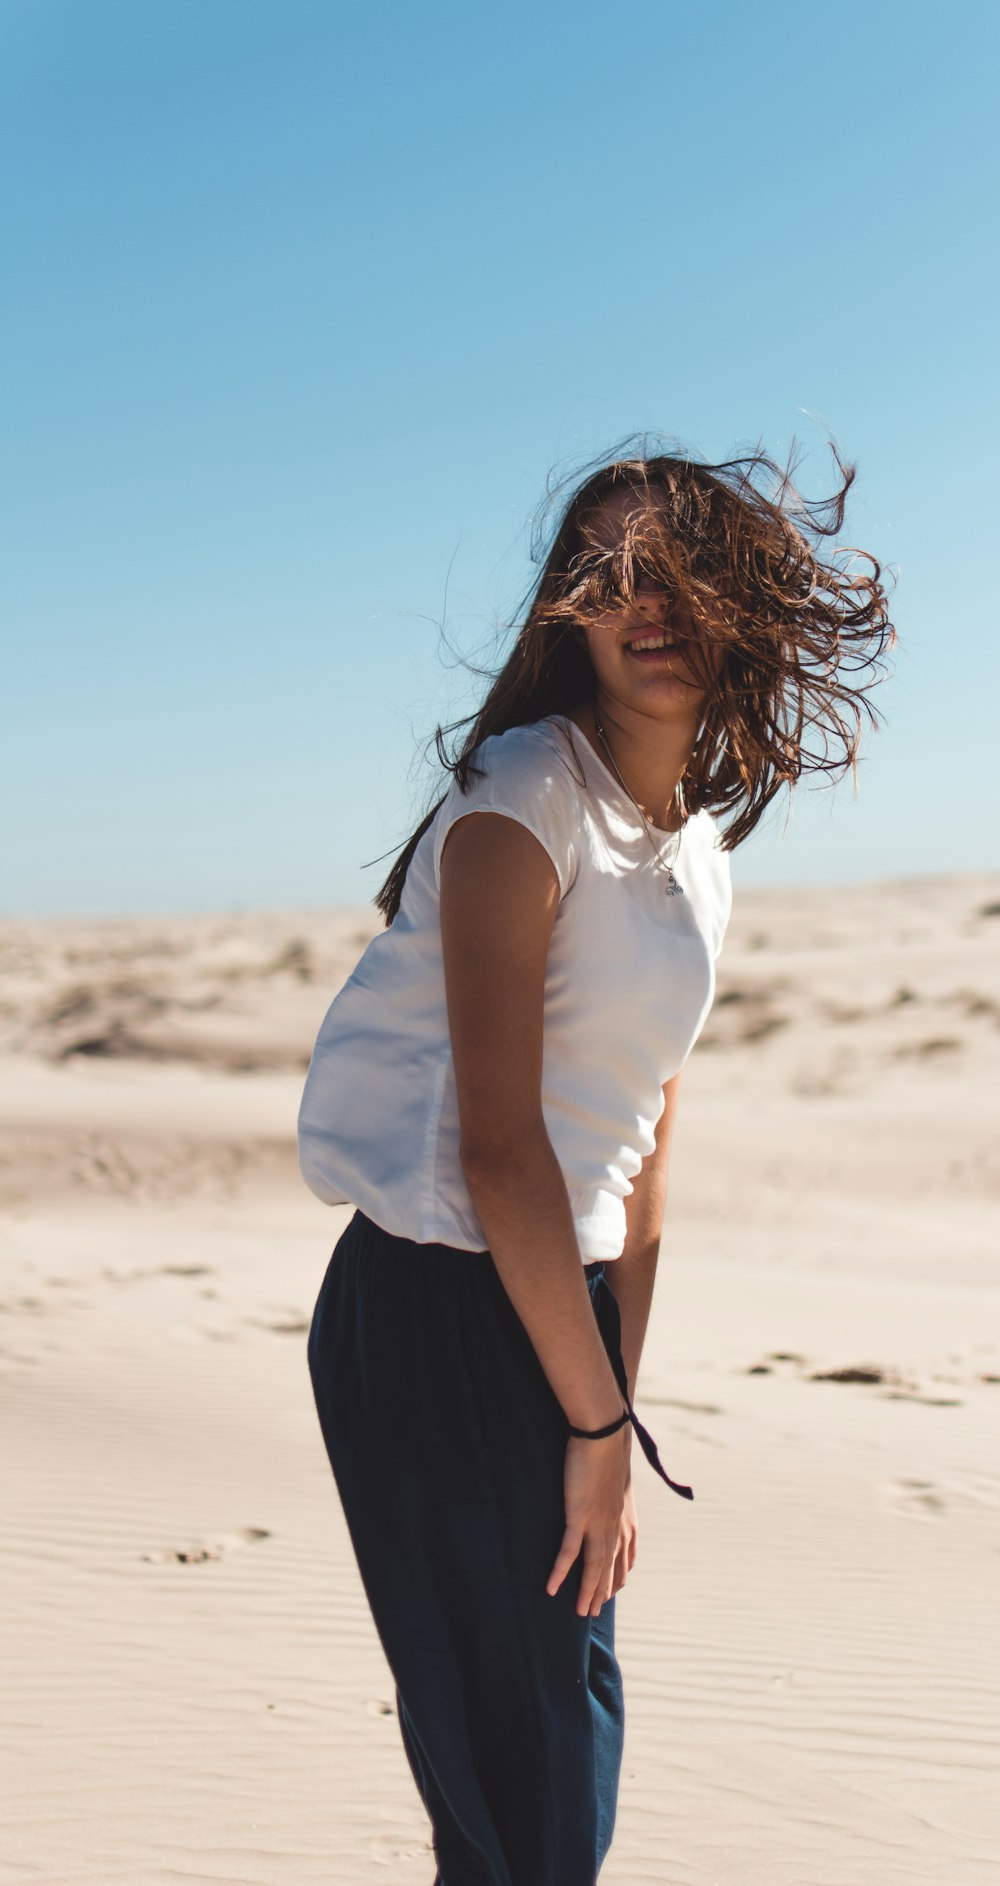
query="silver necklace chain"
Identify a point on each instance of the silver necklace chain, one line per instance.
(666, 865)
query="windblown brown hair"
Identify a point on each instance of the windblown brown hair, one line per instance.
(803, 634)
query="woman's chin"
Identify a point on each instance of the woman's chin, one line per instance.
(666, 687)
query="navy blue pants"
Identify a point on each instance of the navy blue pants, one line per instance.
(447, 1446)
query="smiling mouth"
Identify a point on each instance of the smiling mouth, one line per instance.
(651, 645)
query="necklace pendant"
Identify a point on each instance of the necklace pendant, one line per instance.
(673, 889)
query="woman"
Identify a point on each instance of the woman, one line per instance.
(494, 1090)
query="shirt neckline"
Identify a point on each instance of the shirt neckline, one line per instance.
(660, 830)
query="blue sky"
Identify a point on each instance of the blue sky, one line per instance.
(303, 308)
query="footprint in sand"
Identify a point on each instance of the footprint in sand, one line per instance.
(894, 1386)
(218, 1548)
(866, 1372)
(929, 1499)
(776, 1355)
(285, 1323)
(915, 1499)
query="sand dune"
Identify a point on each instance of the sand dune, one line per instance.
(193, 1687)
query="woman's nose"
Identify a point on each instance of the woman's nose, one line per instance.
(651, 599)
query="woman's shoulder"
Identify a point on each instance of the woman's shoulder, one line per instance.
(534, 755)
(523, 773)
(534, 737)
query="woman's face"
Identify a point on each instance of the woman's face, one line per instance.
(638, 650)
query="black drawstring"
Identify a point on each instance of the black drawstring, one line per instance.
(646, 1440)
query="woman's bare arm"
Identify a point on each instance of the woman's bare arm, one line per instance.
(499, 897)
(633, 1274)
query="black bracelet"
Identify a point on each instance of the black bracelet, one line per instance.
(600, 1434)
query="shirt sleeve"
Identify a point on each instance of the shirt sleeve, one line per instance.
(519, 774)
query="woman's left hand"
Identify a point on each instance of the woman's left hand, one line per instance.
(627, 1536)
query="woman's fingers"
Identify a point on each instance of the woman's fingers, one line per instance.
(597, 1574)
(593, 1496)
(595, 1580)
(568, 1554)
(600, 1602)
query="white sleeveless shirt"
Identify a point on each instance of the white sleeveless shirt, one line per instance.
(629, 982)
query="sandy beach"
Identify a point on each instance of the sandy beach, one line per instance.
(194, 1690)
